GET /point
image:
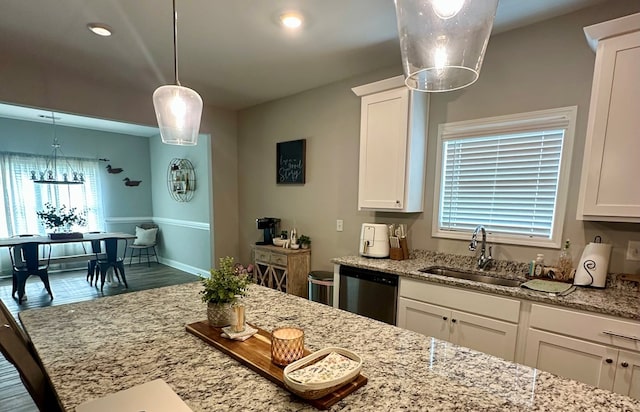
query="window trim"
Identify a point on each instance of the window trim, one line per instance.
(563, 117)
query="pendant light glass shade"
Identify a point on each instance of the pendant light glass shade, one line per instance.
(178, 110)
(443, 42)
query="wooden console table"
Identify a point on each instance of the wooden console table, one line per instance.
(282, 269)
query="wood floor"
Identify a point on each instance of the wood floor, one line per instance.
(69, 287)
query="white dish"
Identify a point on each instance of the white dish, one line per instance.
(295, 246)
(279, 242)
(334, 383)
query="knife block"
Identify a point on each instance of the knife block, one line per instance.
(395, 253)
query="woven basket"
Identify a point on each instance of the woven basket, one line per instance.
(318, 390)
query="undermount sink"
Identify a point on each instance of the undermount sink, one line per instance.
(435, 270)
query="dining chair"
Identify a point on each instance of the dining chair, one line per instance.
(145, 240)
(25, 261)
(18, 350)
(92, 264)
(111, 260)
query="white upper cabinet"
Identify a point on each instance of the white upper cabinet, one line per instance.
(609, 187)
(393, 128)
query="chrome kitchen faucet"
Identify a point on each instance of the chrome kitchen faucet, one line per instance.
(483, 260)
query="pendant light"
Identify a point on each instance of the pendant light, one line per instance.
(51, 174)
(178, 109)
(443, 42)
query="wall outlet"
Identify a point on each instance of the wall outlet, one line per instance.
(339, 225)
(633, 250)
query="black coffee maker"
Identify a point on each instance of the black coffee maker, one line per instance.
(270, 227)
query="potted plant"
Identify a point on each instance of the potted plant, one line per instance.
(221, 288)
(305, 241)
(61, 219)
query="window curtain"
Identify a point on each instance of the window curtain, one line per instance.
(22, 198)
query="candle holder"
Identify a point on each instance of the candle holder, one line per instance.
(287, 345)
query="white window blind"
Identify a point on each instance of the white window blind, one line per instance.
(509, 174)
(507, 183)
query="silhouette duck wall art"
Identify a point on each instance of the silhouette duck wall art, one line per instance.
(114, 170)
(129, 182)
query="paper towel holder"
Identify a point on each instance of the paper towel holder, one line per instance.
(594, 264)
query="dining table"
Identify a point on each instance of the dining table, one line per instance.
(99, 347)
(46, 239)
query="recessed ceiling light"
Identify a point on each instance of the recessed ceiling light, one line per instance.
(100, 29)
(291, 20)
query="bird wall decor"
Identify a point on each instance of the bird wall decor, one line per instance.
(114, 170)
(129, 182)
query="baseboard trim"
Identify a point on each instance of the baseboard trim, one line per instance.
(184, 267)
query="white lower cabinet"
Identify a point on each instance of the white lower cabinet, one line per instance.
(598, 350)
(462, 321)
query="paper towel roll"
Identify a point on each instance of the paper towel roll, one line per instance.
(593, 266)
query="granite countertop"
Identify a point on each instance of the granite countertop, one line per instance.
(93, 348)
(620, 299)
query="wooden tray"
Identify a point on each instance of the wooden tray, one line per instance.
(255, 353)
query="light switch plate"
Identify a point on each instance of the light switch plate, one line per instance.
(339, 225)
(633, 250)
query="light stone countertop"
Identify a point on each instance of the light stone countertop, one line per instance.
(93, 348)
(620, 298)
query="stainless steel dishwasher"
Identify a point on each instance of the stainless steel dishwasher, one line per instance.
(369, 293)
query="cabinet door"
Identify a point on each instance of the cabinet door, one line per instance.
(262, 274)
(491, 336)
(429, 320)
(609, 176)
(572, 358)
(627, 381)
(383, 146)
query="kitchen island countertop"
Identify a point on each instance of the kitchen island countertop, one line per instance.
(94, 348)
(614, 301)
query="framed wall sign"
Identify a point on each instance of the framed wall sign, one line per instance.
(290, 168)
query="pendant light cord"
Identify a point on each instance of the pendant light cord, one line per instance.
(175, 43)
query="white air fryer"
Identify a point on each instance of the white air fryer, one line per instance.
(374, 240)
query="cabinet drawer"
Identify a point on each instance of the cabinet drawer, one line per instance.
(262, 256)
(479, 303)
(616, 332)
(278, 259)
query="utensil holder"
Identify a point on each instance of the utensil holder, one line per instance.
(404, 247)
(395, 253)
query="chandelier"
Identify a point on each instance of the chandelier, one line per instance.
(51, 172)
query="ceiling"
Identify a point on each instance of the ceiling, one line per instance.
(233, 52)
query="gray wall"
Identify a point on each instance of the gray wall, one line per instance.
(541, 66)
(128, 152)
(184, 226)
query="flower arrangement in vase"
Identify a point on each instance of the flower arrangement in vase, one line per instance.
(221, 288)
(61, 218)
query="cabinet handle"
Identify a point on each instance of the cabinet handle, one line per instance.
(444, 318)
(619, 335)
(453, 320)
(624, 364)
(609, 360)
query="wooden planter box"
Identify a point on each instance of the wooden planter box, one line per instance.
(65, 236)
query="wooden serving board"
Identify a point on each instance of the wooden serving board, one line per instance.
(255, 353)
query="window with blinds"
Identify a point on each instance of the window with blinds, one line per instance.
(509, 174)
